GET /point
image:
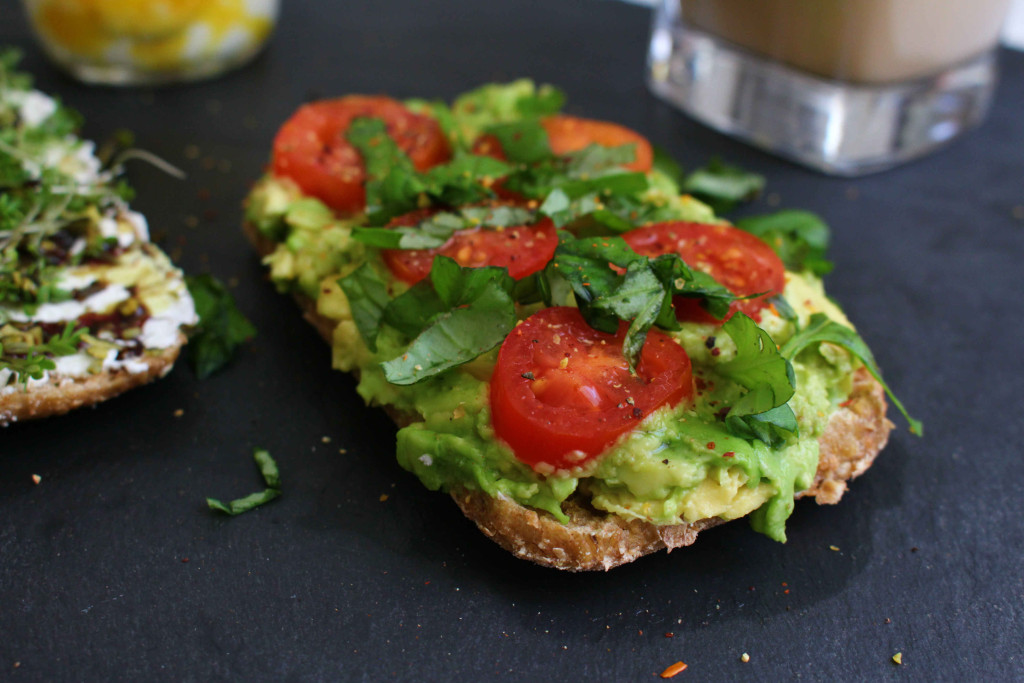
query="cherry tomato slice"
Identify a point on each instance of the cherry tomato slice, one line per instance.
(570, 134)
(741, 262)
(562, 393)
(523, 249)
(311, 148)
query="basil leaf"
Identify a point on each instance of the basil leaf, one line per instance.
(367, 298)
(800, 238)
(664, 163)
(222, 327)
(761, 413)
(413, 310)
(392, 184)
(455, 337)
(594, 159)
(463, 180)
(545, 101)
(820, 328)
(523, 142)
(271, 476)
(722, 186)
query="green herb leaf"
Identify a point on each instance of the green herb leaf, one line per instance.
(800, 238)
(435, 230)
(822, 329)
(367, 297)
(722, 186)
(455, 337)
(222, 327)
(523, 142)
(31, 361)
(271, 476)
(762, 412)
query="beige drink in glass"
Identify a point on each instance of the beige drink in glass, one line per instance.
(845, 86)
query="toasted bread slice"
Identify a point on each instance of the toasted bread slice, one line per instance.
(58, 393)
(596, 540)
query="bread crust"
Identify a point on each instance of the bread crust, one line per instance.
(595, 540)
(62, 393)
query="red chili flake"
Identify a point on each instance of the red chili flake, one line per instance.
(784, 583)
(786, 591)
(711, 445)
(700, 384)
(716, 351)
(671, 671)
(728, 454)
(670, 635)
(184, 560)
(846, 403)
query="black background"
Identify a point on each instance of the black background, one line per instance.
(112, 568)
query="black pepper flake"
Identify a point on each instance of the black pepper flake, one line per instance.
(709, 342)
(637, 413)
(527, 375)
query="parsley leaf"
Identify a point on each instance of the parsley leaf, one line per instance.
(821, 329)
(762, 412)
(722, 186)
(269, 471)
(222, 327)
(800, 238)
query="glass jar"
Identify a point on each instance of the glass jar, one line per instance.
(135, 42)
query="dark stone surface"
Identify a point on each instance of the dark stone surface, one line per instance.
(111, 568)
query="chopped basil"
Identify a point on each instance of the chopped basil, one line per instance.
(641, 296)
(367, 296)
(271, 476)
(436, 229)
(762, 412)
(460, 314)
(222, 327)
(722, 186)
(800, 238)
(821, 329)
(523, 142)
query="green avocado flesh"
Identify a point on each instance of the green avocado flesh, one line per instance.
(680, 465)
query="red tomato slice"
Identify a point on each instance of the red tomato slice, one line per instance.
(311, 149)
(570, 134)
(739, 261)
(523, 249)
(562, 393)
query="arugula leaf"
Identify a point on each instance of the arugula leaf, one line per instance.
(762, 412)
(722, 186)
(271, 476)
(800, 238)
(222, 327)
(30, 361)
(822, 329)
(367, 296)
(479, 314)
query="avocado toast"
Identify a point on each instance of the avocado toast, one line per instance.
(89, 307)
(669, 385)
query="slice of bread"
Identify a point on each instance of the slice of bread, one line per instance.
(596, 540)
(59, 393)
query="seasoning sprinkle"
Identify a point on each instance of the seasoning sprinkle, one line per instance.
(744, 658)
(36, 479)
(897, 658)
(673, 670)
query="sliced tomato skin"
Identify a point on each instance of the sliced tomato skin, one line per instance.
(523, 249)
(311, 148)
(562, 417)
(568, 134)
(741, 262)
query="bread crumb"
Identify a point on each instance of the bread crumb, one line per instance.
(744, 658)
(897, 658)
(834, 548)
(383, 497)
(36, 479)
(179, 412)
(325, 439)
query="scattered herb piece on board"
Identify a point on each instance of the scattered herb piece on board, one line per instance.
(222, 327)
(268, 468)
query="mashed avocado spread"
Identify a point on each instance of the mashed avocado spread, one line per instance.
(680, 464)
